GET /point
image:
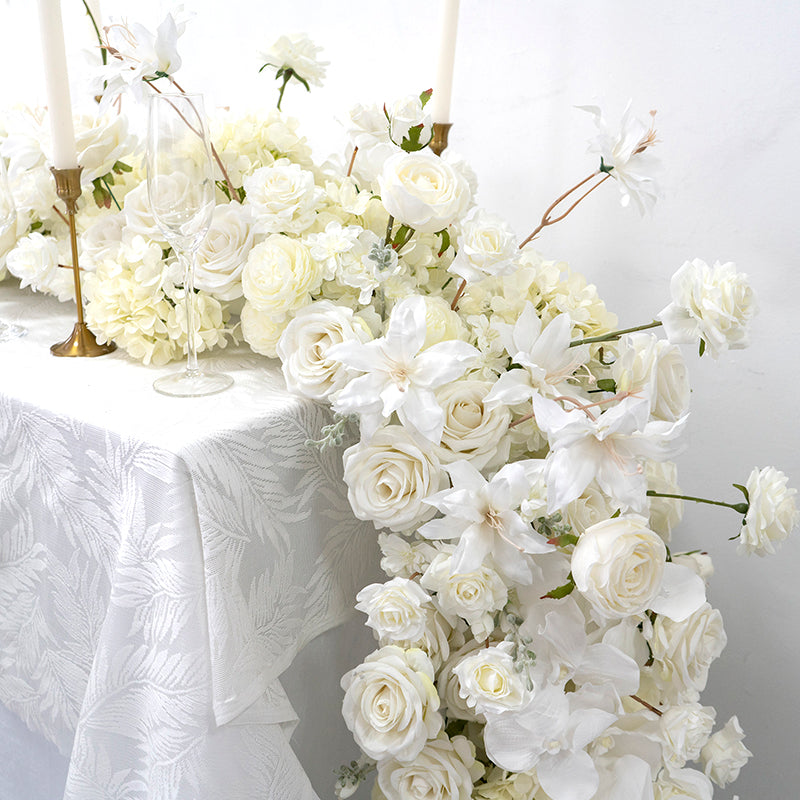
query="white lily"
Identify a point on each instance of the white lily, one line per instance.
(483, 516)
(399, 376)
(608, 449)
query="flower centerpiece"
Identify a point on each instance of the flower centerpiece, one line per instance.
(536, 636)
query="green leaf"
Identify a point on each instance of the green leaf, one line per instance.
(702, 347)
(223, 187)
(561, 591)
(425, 96)
(412, 143)
(564, 539)
(604, 167)
(616, 513)
(607, 385)
(121, 166)
(445, 234)
(743, 490)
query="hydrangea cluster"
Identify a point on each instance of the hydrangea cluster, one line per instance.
(535, 636)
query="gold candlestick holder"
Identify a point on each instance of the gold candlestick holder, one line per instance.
(441, 130)
(81, 341)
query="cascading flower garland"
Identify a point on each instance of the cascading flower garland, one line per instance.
(536, 637)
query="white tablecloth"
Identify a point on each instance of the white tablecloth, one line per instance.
(162, 562)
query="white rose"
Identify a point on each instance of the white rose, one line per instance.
(101, 142)
(35, 262)
(280, 275)
(772, 512)
(655, 366)
(474, 596)
(261, 330)
(408, 113)
(388, 479)
(303, 348)
(435, 638)
(489, 682)
(449, 686)
(282, 198)
(715, 304)
(682, 784)
(472, 430)
(665, 512)
(724, 755)
(445, 769)
(591, 507)
(300, 54)
(138, 217)
(422, 191)
(404, 558)
(486, 246)
(223, 252)
(503, 785)
(618, 566)
(395, 610)
(390, 703)
(685, 728)
(683, 652)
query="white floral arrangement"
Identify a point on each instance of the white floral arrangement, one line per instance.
(537, 639)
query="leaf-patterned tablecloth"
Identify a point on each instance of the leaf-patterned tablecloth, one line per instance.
(162, 561)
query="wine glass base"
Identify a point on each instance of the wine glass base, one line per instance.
(192, 383)
(9, 332)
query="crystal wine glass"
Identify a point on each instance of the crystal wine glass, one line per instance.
(8, 220)
(180, 189)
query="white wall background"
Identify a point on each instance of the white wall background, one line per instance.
(724, 78)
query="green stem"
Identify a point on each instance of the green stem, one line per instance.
(286, 77)
(607, 337)
(103, 53)
(111, 194)
(739, 507)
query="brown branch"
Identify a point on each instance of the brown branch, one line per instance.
(459, 293)
(352, 161)
(647, 705)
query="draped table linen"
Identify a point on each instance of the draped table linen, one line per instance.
(162, 562)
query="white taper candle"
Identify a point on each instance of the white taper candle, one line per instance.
(443, 87)
(65, 154)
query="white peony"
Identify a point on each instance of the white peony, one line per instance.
(282, 198)
(303, 348)
(772, 512)
(261, 330)
(396, 610)
(422, 191)
(445, 769)
(223, 252)
(474, 596)
(472, 430)
(685, 728)
(280, 275)
(390, 703)
(725, 754)
(712, 304)
(389, 479)
(489, 682)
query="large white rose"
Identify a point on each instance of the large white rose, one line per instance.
(282, 198)
(685, 728)
(422, 191)
(445, 769)
(472, 430)
(618, 566)
(715, 304)
(395, 610)
(223, 252)
(725, 754)
(655, 366)
(489, 682)
(683, 652)
(390, 703)
(682, 784)
(35, 261)
(389, 478)
(474, 596)
(772, 514)
(280, 275)
(101, 141)
(303, 348)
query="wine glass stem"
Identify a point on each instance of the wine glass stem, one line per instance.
(188, 285)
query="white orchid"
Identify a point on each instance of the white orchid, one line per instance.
(609, 448)
(626, 155)
(399, 376)
(483, 516)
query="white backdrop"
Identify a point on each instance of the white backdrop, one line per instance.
(724, 78)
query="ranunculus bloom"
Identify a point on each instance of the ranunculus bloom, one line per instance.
(422, 191)
(725, 754)
(390, 703)
(715, 304)
(772, 514)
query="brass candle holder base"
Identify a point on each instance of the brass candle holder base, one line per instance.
(441, 130)
(82, 342)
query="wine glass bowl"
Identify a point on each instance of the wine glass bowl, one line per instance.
(180, 190)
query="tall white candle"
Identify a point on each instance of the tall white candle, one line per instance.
(443, 87)
(65, 154)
